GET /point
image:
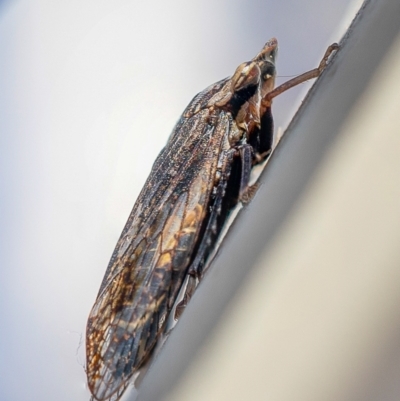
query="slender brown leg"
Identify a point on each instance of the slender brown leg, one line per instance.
(303, 77)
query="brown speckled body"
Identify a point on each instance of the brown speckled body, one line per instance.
(199, 176)
(194, 183)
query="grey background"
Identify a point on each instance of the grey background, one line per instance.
(89, 92)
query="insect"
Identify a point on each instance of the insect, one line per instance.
(197, 179)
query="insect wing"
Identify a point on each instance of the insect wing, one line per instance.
(151, 258)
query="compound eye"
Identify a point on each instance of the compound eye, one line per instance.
(269, 73)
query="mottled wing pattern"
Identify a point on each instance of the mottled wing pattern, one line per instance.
(155, 249)
(198, 178)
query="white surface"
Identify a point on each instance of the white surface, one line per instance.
(319, 317)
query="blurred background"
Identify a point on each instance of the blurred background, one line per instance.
(89, 92)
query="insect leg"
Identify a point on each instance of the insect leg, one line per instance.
(246, 158)
(216, 218)
(316, 72)
(246, 191)
(191, 284)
